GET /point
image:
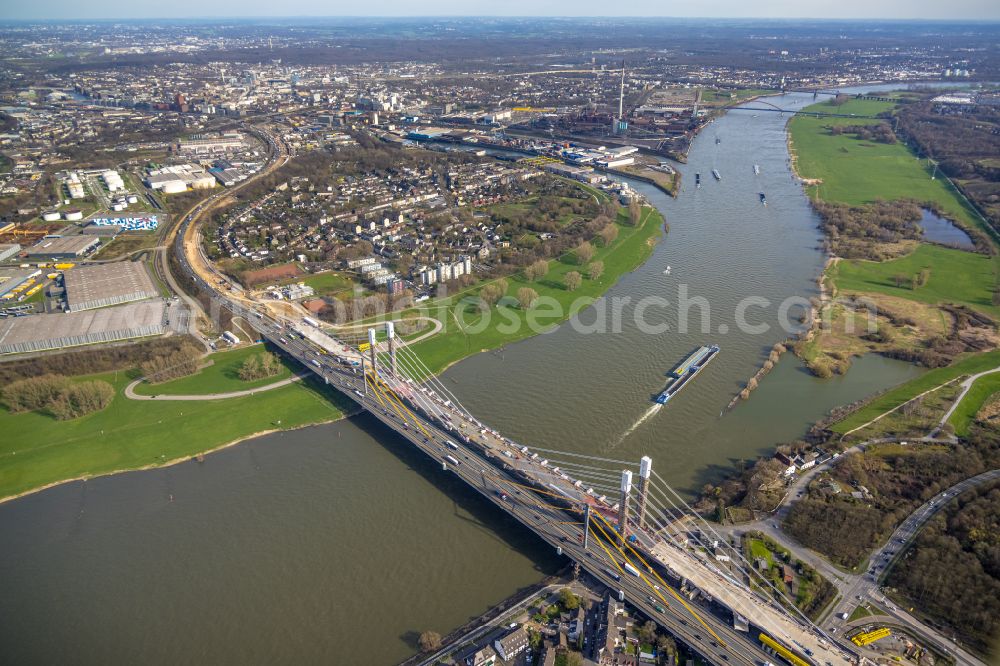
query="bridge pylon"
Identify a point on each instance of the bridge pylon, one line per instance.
(645, 467)
(371, 348)
(623, 505)
(390, 331)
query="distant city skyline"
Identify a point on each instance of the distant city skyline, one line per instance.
(814, 9)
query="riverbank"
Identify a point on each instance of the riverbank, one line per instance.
(39, 452)
(839, 162)
(467, 328)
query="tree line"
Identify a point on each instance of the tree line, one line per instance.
(898, 480)
(952, 570)
(58, 396)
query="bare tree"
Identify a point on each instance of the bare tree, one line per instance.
(537, 270)
(526, 297)
(634, 212)
(584, 252)
(595, 270)
(573, 280)
(429, 641)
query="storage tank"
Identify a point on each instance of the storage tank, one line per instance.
(174, 187)
(51, 215)
(73, 215)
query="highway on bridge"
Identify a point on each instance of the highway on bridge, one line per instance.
(716, 640)
(705, 626)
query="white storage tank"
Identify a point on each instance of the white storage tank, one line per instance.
(73, 215)
(174, 187)
(51, 215)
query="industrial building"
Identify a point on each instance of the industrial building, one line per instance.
(174, 179)
(212, 144)
(19, 335)
(9, 251)
(15, 281)
(101, 285)
(63, 247)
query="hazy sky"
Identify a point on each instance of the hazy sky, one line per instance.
(898, 9)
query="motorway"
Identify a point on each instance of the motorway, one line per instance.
(707, 628)
(550, 523)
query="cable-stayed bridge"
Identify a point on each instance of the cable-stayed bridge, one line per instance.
(644, 543)
(619, 520)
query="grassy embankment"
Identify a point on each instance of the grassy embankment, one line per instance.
(38, 451)
(968, 365)
(221, 375)
(507, 322)
(982, 390)
(845, 169)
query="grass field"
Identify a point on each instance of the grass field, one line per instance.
(956, 277)
(853, 171)
(127, 243)
(325, 284)
(966, 411)
(759, 549)
(508, 323)
(221, 376)
(37, 450)
(968, 365)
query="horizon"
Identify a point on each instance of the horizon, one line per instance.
(980, 11)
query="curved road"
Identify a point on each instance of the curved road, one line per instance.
(132, 395)
(857, 588)
(966, 387)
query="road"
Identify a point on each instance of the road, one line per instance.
(966, 386)
(132, 395)
(487, 464)
(855, 589)
(507, 491)
(866, 586)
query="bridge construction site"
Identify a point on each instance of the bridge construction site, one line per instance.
(643, 541)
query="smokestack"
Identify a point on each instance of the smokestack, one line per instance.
(621, 97)
(623, 504)
(645, 468)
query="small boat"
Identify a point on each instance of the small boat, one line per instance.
(718, 140)
(763, 199)
(667, 271)
(756, 169)
(716, 174)
(697, 180)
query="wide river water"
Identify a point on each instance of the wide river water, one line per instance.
(339, 543)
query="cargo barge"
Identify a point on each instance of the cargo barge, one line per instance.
(686, 371)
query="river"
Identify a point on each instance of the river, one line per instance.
(340, 544)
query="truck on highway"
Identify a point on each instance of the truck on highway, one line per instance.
(612, 574)
(452, 460)
(312, 322)
(451, 445)
(631, 569)
(315, 362)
